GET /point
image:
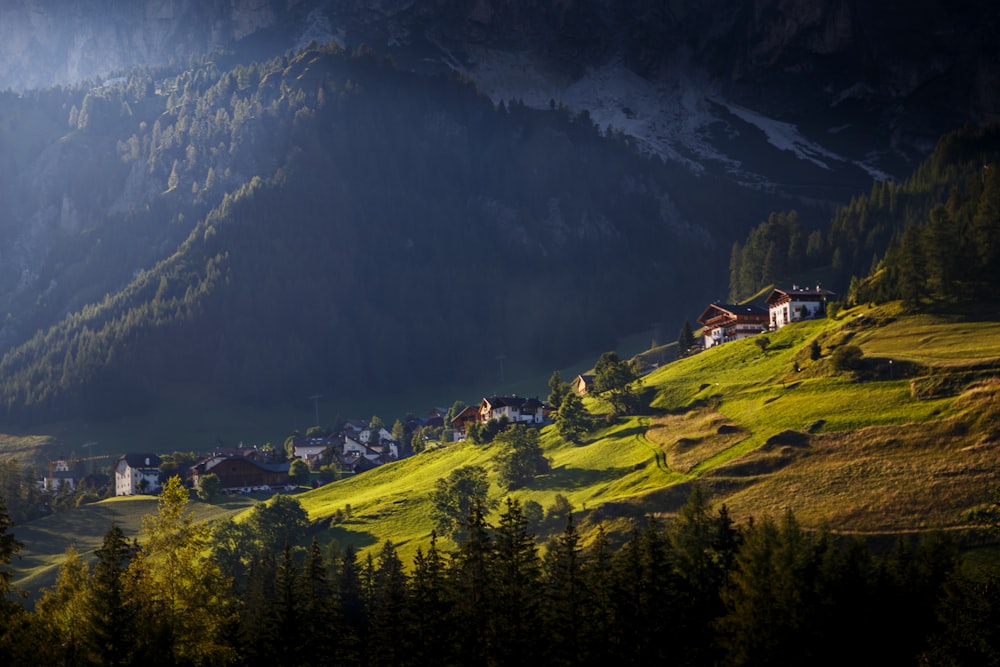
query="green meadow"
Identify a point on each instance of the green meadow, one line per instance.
(761, 427)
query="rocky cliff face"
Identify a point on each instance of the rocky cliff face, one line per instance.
(930, 51)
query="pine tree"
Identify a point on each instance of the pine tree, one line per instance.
(572, 420)
(286, 615)
(256, 629)
(352, 600)
(685, 340)
(566, 598)
(387, 639)
(471, 577)
(112, 619)
(430, 619)
(516, 578)
(322, 620)
(9, 546)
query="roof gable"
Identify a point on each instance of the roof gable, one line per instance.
(733, 310)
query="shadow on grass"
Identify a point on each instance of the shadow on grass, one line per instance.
(564, 478)
(358, 539)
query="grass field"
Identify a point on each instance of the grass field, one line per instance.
(761, 430)
(46, 540)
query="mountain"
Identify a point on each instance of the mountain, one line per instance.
(442, 185)
(715, 84)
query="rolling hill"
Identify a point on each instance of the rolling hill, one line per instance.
(885, 450)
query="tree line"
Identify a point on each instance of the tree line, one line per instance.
(695, 588)
(930, 237)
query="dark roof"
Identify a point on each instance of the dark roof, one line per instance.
(800, 292)
(512, 401)
(141, 460)
(269, 467)
(734, 309)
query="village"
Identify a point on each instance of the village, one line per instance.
(359, 445)
(355, 447)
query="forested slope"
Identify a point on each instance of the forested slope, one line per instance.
(324, 220)
(931, 237)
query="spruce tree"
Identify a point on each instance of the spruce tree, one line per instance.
(112, 619)
(566, 617)
(430, 621)
(471, 577)
(516, 576)
(387, 639)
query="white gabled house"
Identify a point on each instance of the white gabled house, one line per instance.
(791, 305)
(722, 322)
(137, 473)
(516, 409)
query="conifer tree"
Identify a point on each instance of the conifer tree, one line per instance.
(113, 614)
(387, 639)
(430, 619)
(685, 340)
(322, 620)
(256, 629)
(471, 577)
(286, 614)
(572, 420)
(517, 580)
(566, 598)
(9, 546)
(352, 600)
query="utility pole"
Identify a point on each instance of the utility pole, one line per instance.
(89, 455)
(315, 399)
(500, 358)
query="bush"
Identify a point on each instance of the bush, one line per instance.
(847, 358)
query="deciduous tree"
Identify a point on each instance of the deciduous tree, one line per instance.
(520, 457)
(455, 495)
(613, 378)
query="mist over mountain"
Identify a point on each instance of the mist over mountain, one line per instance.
(428, 185)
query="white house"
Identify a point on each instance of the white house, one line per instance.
(310, 448)
(516, 409)
(722, 322)
(137, 473)
(372, 435)
(60, 475)
(798, 303)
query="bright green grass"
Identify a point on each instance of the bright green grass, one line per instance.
(933, 341)
(761, 392)
(392, 502)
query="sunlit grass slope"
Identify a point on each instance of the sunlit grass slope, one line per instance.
(762, 429)
(904, 446)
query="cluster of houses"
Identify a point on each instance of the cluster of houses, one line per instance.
(360, 446)
(727, 322)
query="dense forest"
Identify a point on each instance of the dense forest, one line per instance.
(697, 589)
(324, 220)
(933, 236)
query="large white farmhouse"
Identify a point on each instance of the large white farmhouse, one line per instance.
(727, 322)
(137, 473)
(799, 303)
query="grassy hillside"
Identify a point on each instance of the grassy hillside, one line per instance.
(874, 453)
(903, 446)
